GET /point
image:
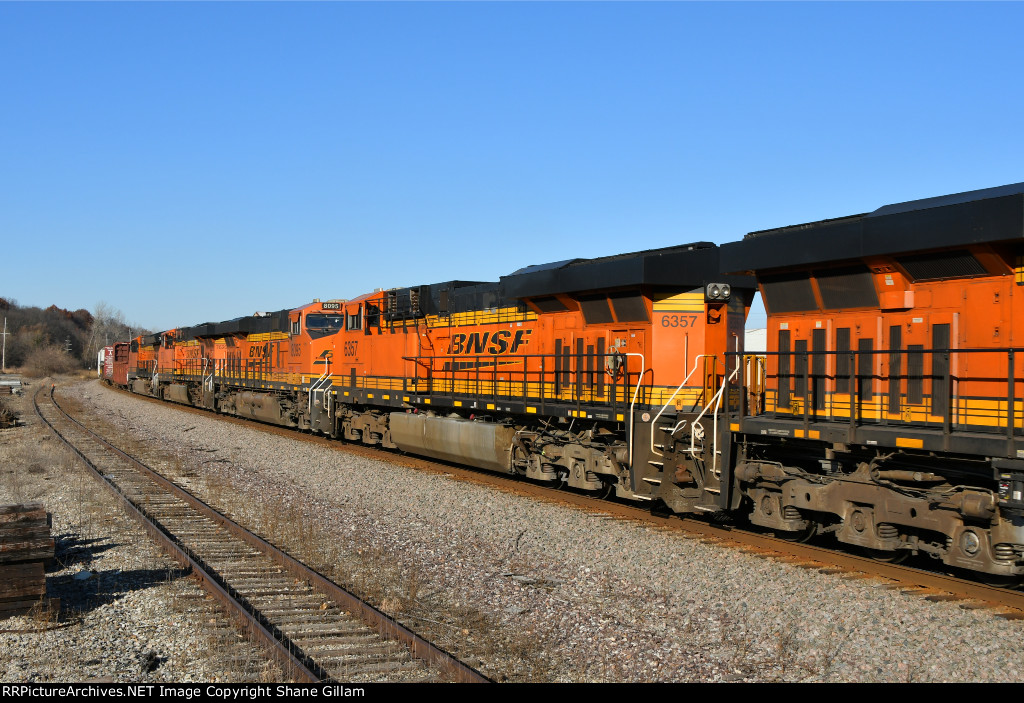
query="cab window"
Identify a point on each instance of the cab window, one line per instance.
(329, 323)
(355, 319)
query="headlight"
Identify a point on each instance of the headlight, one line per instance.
(717, 291)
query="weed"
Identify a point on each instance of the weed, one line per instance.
(46, 612)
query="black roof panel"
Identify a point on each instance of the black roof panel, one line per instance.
(955, 199)
(544, 267)
(980, 216)
(679, 266)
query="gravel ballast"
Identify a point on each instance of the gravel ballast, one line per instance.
(531, 591)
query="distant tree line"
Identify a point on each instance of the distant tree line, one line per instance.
(41, 342)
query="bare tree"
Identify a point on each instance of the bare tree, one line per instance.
(108, 326)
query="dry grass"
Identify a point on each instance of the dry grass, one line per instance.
(46, 613)
(30, 462)
(50, 361)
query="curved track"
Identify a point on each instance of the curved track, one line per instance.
(315, 629)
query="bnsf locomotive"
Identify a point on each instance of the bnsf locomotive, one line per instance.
(887, 411)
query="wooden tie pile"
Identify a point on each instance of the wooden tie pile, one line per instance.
(7, 418)
(25, 547)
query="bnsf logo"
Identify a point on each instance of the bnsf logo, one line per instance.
(500, 342)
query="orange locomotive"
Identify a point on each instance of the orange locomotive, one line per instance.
(889, 410)
(574, 373)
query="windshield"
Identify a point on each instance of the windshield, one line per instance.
(324, 324)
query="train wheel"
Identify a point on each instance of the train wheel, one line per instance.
(803, 536)
(897, 556)
(1001, 581)
(607, 491)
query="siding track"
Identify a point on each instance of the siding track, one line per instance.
(316, 630)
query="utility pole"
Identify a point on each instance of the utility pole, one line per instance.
(3, 363)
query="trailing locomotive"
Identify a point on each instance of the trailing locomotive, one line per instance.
(887, 411)
(574, 373)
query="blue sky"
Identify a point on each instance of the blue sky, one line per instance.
(193, 161)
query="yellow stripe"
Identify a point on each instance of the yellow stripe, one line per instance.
(910, 443)
(683, 302)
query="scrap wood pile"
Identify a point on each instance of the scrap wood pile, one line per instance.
(25, 547)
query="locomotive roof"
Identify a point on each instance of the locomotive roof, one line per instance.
(544, 267)
(686, 264)
(267, 322)
(973, 217)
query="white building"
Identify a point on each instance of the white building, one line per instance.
(755, 341)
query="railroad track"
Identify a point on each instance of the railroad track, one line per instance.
(929, 584)
(315, 630)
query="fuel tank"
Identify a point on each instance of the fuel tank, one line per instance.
(481, 444)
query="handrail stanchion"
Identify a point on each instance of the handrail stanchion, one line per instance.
(1010, 401)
